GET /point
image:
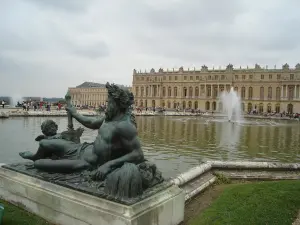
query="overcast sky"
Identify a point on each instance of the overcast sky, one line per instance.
(47, 46)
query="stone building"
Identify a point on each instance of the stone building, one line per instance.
(91, 94)
(263, 89)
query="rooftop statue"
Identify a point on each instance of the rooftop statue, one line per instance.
(115, 156)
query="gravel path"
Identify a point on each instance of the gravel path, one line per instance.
(297, 221)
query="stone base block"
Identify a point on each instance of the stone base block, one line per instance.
(64, 206)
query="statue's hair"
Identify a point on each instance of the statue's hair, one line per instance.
(123, 98)
(49, 128)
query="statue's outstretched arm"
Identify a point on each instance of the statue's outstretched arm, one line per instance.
(89, 122)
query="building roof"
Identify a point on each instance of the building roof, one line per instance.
(90, 85)
(98, 85)
(204, 69)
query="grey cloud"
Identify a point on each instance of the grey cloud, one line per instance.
(72, 40)
(27, 34)
(93, 51)
(195, 14)
(198, 29)
(65, 5)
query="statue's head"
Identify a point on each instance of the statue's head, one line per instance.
(49, 128)
(119, 100)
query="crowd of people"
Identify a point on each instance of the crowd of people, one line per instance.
(198, 111)
(38, 106)
(275, 114)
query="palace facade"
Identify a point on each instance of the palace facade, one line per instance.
(91, 94)
(261, 89)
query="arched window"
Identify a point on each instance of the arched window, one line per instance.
(262, 93)
(190, 91)
(175, 91)
(215, 92)
(184, 92)
(175, 105)
(214, 106)
(243, 93)
(207, 105)
(269, 108)
(277, 108)
(142, 91)
(196, 91)
(153, 104)
(154, 90)
(208, 91)
(249, 107)
(291, 92)
(290, 108)
(164, 91)
(269, 92)
(169, 91)
(250, 93)
(183, 105)
(261, 108)
(169, 105)
(278, 93)
(196, 104)
(222, 88)
(189, 104)
(147, 91)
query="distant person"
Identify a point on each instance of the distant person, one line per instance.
(3, 103)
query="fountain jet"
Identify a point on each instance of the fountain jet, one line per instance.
(231, 104)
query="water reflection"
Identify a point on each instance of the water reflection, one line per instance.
(177, 143)
(230, 135)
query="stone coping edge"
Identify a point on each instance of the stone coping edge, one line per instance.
(197, 171)
(209, 165)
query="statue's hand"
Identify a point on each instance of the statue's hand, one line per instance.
(101, 172)
(72, 110)
(40, 137)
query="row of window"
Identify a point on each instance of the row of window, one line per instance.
(214, 77)
(190, 92)
(90, 97)
(213, 106)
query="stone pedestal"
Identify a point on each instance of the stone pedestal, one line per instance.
(64, 206)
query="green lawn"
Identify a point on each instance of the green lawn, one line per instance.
(14, 215)
(259, 203)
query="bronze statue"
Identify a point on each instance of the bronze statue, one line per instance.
(117, 141)
(112, 167)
